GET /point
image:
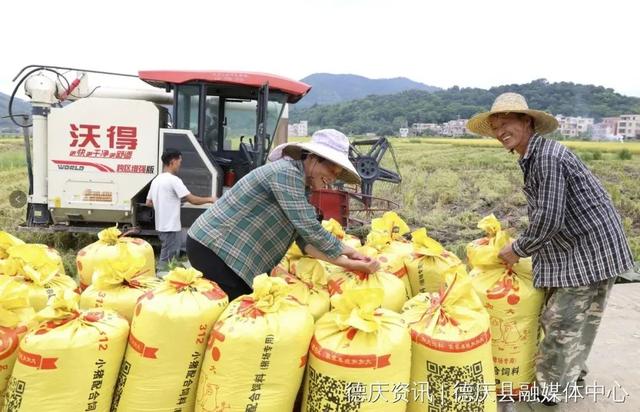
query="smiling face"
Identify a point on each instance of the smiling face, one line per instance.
(320, 173)
(513, 130)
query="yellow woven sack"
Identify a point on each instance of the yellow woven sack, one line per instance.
(335, 228)
(308, 284)
(393, 287)
(70, 361)
(36, 256)
(118, 283)
(428, 264)
(105, 248)
(16, 317)
(257, 352)
(167, 342)
(331, 270)
(452, 367)
(514, 305)
(391, 223)
(39, 268)
(359, 356)
(391, 254)
(294, 252)
(491, 226)
(6, 241)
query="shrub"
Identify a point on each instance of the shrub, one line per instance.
(625, 154)
(585, 156)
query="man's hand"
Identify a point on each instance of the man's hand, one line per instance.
(212, 199)
(508, 255)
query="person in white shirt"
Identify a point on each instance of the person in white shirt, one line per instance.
(166, 194)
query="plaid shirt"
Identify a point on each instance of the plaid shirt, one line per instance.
(574, 236)
(253, 224)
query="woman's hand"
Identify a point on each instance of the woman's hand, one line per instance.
(350, 259)
(366, 265)
(351, 253)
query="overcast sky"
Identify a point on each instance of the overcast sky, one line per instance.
(439, 42)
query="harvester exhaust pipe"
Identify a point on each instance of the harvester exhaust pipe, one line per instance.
(41, 90)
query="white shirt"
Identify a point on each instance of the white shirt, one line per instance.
(165, 192)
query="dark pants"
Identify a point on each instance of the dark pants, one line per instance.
(214, 268)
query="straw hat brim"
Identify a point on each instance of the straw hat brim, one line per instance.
(543, 122)
(294, 150)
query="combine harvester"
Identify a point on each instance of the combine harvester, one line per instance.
(95, 150)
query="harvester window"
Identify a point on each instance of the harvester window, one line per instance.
(188, 108)
(240, 116)
(240, 121)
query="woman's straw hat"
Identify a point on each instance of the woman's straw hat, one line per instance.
(329, 144)
(511, 103)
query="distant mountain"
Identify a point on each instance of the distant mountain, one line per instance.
(19, 106)
(385, 114)
(335, 88)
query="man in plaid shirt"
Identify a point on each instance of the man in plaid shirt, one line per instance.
(575, 237)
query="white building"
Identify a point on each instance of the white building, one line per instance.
(629, 126)
(605, 131)
(421, 128)
(404, 131)
(574, 126)
(299, 129)
(454, 127)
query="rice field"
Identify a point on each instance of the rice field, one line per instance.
(450, 184)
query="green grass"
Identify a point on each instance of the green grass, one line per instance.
(12, 160)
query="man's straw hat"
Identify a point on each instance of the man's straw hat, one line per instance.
(511, 103)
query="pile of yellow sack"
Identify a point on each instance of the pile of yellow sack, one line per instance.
(419, 334)
(39, 268)
(471, 332)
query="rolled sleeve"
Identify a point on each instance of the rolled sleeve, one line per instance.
(547, 217)
(518, 250)
(288, 189)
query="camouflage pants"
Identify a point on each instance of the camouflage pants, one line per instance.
(570, 321)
